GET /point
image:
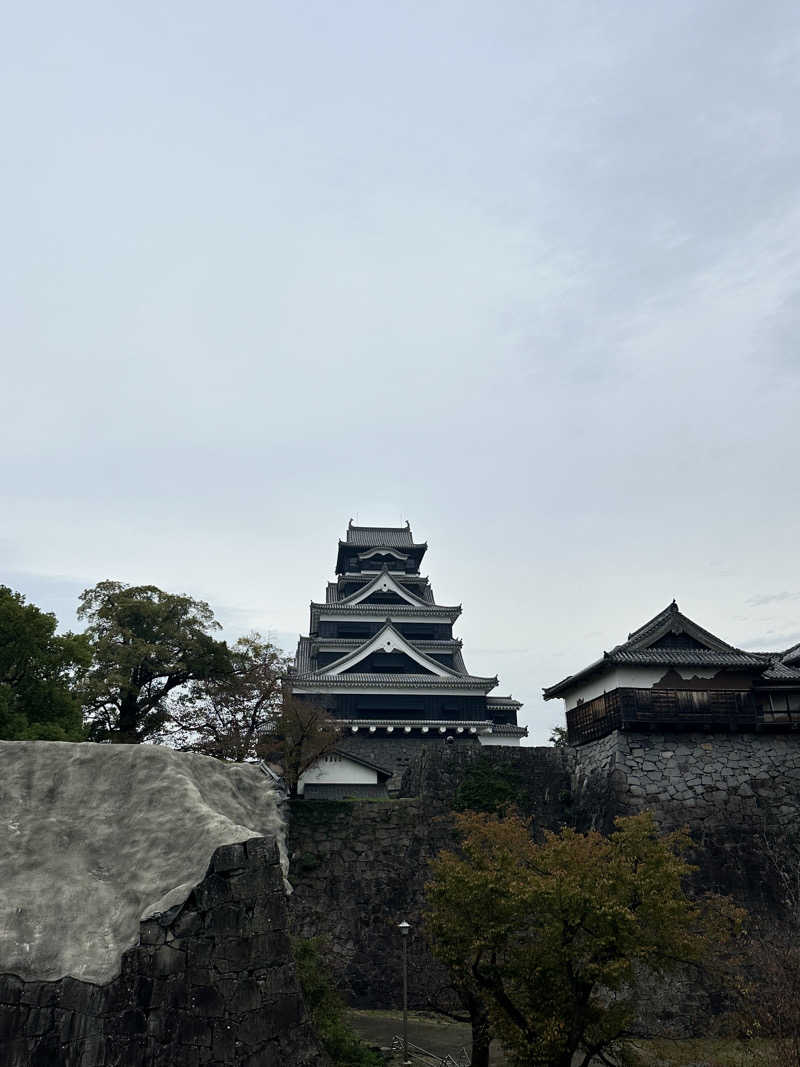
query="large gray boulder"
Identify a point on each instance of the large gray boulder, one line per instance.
(94, 838)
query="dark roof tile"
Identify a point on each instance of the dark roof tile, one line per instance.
(638, 649)
(688, 657)
(672, 620)
(781, 672)
(380, 536)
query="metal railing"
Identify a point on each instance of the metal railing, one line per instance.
(423, 1058)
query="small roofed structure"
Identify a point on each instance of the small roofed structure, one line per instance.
(343, 776)
(672, 673)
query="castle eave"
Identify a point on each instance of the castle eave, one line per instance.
(344, 682)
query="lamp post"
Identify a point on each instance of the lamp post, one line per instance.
(404, 927)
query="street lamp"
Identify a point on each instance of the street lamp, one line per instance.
(404, 927)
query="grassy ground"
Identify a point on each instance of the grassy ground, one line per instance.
(432, 1032)
(707, 1052)
(442, 1036)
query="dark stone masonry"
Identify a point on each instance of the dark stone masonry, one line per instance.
(212, 981)
(735, 792)
(358, 869)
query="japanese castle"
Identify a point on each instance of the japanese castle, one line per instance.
(380, 656)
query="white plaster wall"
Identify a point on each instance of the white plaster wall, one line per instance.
(632, 678)
(336, 770)
(492, 739)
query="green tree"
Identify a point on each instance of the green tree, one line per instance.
(770, 990)
(145, 645)
(327, 1009)
(228, 715)
(490, 787)
(551, 934)
(38, 674)
(303, 733)
(559, 737)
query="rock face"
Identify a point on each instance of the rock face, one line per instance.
(212, 981)
(120, 944)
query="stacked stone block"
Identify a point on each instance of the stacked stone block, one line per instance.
(212, 981)
(737, 793)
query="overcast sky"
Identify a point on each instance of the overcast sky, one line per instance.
(527, 274)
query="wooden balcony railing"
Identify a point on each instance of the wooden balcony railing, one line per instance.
(686, 709)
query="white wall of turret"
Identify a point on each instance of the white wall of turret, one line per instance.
(336, 769)
(631, 678)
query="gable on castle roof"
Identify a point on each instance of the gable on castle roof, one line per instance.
(668, 623)
(669, 639)
(384, 583)
(388, 639)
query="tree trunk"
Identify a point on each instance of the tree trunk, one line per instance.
(127, 733)
(481, 1032)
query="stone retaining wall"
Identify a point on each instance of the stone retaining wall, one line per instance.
(733, 791)
(359, 868)
(211, 981)
(398, 752)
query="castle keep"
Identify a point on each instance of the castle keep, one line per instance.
(381, 657)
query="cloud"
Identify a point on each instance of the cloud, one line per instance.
(762, 599)
(772, 641)
(541, 298)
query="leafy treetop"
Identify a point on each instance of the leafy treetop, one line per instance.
(38, 674)
(145, 644)
(229, 715)
(550, 934)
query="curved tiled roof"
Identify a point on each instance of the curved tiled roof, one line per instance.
(316, 680)
(639, 650)
(781, 672)
(333, 644)
(383, 577)
(334, 596)
(467, 724)
(449, 611)
(672, 620)
(398, 538)
(509, 729)
(380, 536)
(688, 657)
(302, 659)
(304, 655)
(396, 642)
(502, 702)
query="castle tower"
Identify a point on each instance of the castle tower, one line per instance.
(380, 656)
